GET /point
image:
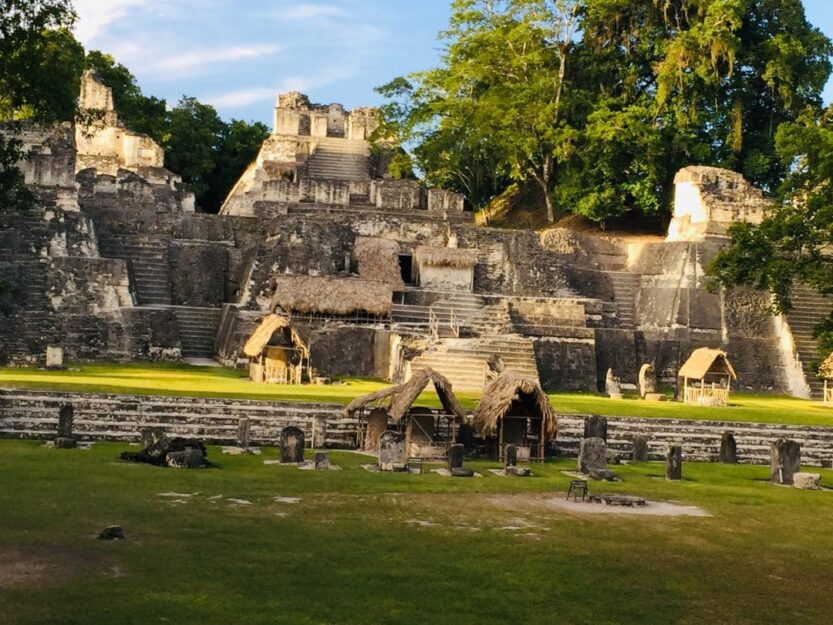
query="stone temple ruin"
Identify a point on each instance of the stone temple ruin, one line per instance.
(378, 277)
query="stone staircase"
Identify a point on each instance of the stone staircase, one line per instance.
(464, 361)
(453, 309)
(625, 288)
(809, 308)
(700, 440)
(339, 159)
(197, 330)
(148, 258)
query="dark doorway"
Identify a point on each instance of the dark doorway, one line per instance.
(406, 268)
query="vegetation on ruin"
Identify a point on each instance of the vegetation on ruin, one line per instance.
(398, 549)
(607, 116)
(193, 381)
(794, 242)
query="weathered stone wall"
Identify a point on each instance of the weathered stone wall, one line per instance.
(566, 364)
(354, 351)
(199, 273)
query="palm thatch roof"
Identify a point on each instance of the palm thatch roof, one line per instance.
(266, 330)
(445, 256)
(498, 397)
(400, 398)
(706, 360)
(335, 296)
(826, 369)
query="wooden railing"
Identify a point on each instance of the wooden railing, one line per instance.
(433, 324)
(707, 396)
(454, 323)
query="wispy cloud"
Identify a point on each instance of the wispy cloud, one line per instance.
(95, 15)
(192, 60)
(310, 11)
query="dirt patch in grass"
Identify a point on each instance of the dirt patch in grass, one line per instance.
(47, 566)
(549, 502)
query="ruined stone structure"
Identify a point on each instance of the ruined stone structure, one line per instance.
(115, 264)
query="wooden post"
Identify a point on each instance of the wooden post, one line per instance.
(500, 440)
(541, 441)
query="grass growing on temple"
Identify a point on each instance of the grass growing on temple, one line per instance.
(188, 380)
(399, 549)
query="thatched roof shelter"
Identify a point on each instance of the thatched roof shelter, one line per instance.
(497, 400)
(266, 330)
(334, 296)
(826, 369)
(704, 361)
(445, 256)
(399, 399)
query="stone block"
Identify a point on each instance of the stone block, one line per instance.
(456, 455)
(191, 458)
(592, 455)
(292, 445)
(54, 357)
(656, 397)
(244, 429)
(321, 460)
(674, 463)
(728, 449)
(392, 453)
(64, 442)
(647, 380)
(807, 481)
(461, 472)
(785, 461)
(66, 416)
(510, 456)
(640, 448)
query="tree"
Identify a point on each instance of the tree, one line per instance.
(239, 144)
(794, 243)
(498, 91)
(195, 132)
(14, 194)
(40, 60)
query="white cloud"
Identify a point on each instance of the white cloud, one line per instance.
(309, 11)
(95, 15)
(192, 60)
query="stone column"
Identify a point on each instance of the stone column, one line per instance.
(640, 448)
(728, 449)
(674, 463)
(786, 460)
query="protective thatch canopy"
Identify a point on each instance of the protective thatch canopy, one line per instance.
(445, 257)
(403, 396)
(826, 368)
(334, 296)
(266, 330)
(497, 401)
(704, 361)
(378, 259)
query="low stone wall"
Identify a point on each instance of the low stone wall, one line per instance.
(34, 415)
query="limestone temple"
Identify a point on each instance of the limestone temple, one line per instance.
(377, 277)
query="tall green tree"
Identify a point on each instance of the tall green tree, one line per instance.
(794, 243)
(239, 144)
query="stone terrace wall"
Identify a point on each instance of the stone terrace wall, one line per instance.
(34, 415)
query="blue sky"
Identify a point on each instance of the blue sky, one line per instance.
(238, 55)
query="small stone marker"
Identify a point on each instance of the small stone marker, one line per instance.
(190, 458)
(456, 457)
(640, 448)
(595, 426)
(592, 455)
(244, 429)
(292, 445)
(54, 357)
(392, 454)
(807, 481)
(319, 431)
(728, 449)
(113, 532)
(786, 460)
(613, 387)
(647, 380)
(65, 438)
(510, 456)
(674, 463)
(321, 461)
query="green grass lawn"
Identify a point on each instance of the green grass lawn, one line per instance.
(188, 380)
(397, 549)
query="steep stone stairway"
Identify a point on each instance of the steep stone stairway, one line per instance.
(339, 159)
(148, 257)
(625, 287)
(197, 330)
(809, 308)
(454, 310)
(463, 361)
